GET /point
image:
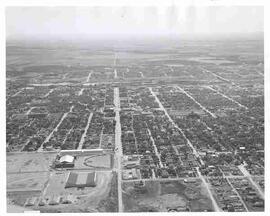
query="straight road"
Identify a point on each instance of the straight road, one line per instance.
(114, 63)
(55, 129)
(162, 179)
(46, 95)
(260, 73)
(155, 148)
(115, 73)
(29, 111)
(180, 178)
(89, 76)
(176, 126)
(85, 131)
(81, 92)
(249, 177)
(17, 93)
(218, 76)
(207, 186)
(225, 96)
(234, 190)
(192, 98)
(118, 146)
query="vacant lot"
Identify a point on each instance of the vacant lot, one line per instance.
(99, 161)
(27, 181)
(161, 196)
(89, 199)
(29, 162)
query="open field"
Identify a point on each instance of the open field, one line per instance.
(27, 181)
(165, 195)
(29, 162)
(99, 161)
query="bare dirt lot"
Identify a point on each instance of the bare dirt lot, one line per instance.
(89, 199)
(161, 196)
(99, 161)
(29, 162)
(26, 181)
(102, 198)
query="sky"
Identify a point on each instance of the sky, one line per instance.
(148, 20)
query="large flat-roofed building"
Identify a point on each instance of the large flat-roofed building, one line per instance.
(81, 179)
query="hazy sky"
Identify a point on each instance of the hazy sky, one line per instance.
(63, 21)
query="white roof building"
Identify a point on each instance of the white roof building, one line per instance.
(66, 159)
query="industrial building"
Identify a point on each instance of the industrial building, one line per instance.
(81, 179)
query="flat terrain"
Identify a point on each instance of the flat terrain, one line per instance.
(29, 162)
(162, 196)
(99, 161)
(167, 125)
(27, 181)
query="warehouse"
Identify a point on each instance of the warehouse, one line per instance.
(81, 179)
